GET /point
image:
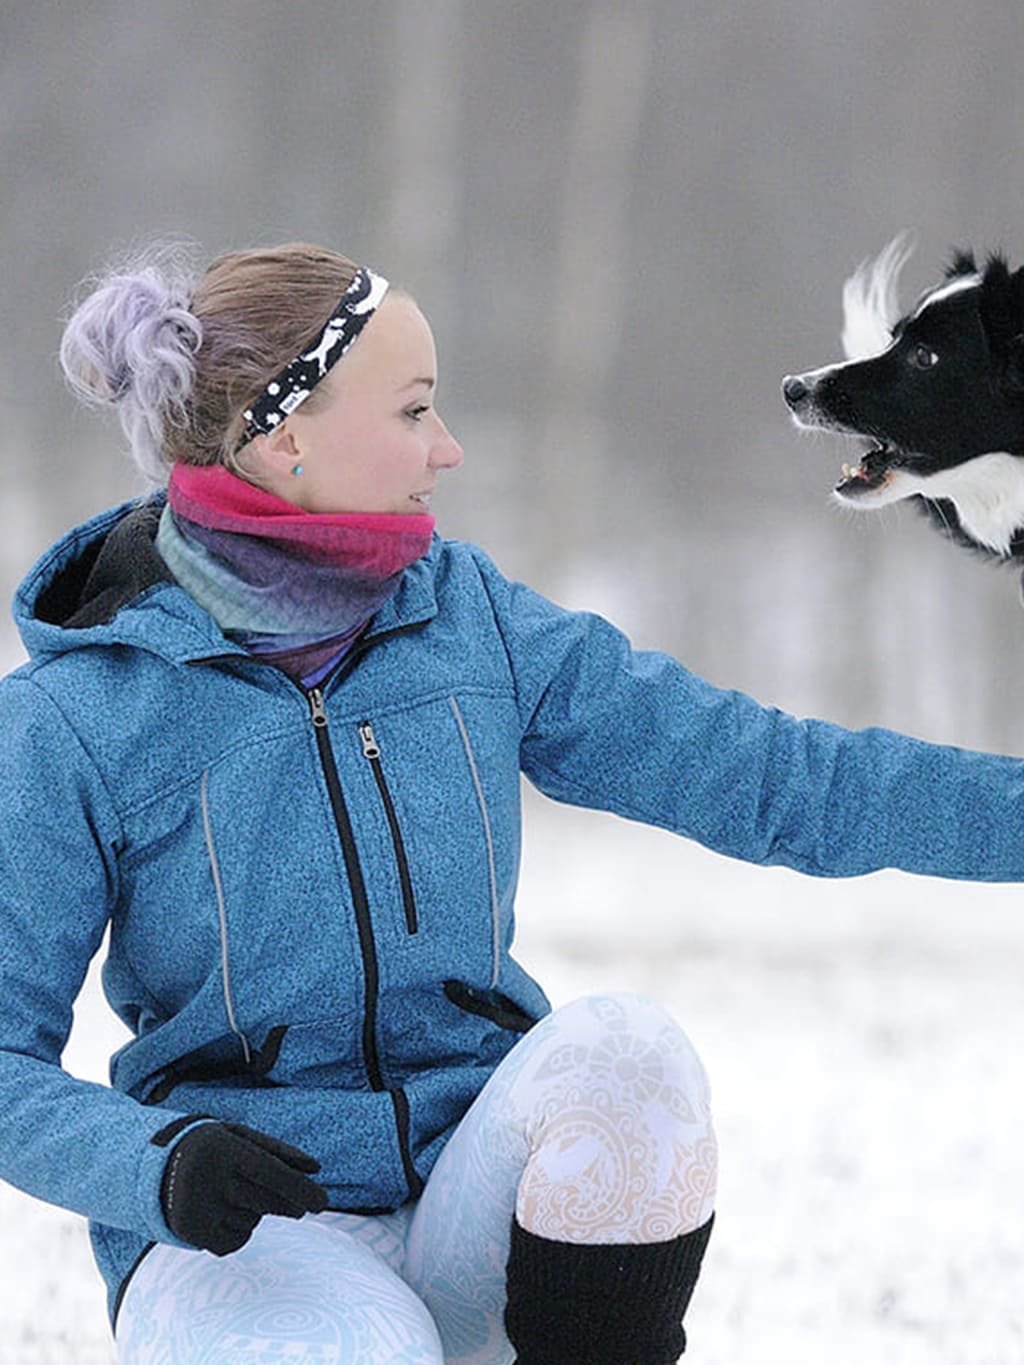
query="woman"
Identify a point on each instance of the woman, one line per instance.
(271, 731)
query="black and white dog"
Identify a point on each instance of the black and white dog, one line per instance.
(937, 392)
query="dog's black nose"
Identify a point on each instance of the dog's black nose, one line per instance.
(794, 390)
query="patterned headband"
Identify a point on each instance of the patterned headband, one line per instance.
(297, 380)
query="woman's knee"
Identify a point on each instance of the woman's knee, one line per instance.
(628, 1041)
(616, 1110)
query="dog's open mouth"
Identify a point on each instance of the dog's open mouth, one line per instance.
(872, 473)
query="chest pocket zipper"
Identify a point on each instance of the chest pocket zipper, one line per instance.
(371, 752)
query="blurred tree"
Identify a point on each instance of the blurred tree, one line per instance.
(594, 278)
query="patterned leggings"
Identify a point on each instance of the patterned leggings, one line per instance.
(594, 1129)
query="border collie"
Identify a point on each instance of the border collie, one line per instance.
(938, 393)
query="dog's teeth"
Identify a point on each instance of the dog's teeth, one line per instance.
(847, 471)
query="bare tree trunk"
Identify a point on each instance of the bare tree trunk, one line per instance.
(589, 289)
(420, 161)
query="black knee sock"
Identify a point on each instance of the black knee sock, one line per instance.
(617, 1304)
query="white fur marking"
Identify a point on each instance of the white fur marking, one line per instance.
(987, 492)
(870, 304)
(945, 291)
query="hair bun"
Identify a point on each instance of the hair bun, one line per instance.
(131, 344)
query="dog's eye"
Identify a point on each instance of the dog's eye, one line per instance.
(922, 358)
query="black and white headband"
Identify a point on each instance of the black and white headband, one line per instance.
(297, 380)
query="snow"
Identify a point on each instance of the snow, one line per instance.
(861, 1040)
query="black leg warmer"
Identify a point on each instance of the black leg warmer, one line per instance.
(617, 1304)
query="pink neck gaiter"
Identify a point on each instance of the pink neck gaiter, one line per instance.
(280, 580)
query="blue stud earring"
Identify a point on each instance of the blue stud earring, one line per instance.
(297, 470)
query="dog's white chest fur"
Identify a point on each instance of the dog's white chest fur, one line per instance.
(987, 492)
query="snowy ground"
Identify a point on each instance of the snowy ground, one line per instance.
(863, 1043)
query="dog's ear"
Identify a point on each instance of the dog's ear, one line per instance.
(1002, 316)
(963, 263)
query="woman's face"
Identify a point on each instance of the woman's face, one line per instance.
(371, 440)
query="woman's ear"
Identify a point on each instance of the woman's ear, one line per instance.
(273, 455)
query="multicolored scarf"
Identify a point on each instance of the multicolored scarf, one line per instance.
(291, 586)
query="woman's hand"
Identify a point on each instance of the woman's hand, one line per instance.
(223, 1177)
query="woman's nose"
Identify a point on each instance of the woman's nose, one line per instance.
(447, 453)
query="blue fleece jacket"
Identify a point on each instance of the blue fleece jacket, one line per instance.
(310, 894)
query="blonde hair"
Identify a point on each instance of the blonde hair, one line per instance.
(180, 359)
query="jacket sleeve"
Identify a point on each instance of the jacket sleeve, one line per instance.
(635, 733)
(68, 1141)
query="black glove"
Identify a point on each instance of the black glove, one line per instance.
(223, 1177)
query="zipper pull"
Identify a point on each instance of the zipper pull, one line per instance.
(316, 707)
(371, 749)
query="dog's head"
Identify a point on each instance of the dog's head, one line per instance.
(937, 393)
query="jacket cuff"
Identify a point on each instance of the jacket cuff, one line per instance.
(153, 1163)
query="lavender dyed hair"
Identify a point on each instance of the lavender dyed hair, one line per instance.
(131, 345)
(179, 357)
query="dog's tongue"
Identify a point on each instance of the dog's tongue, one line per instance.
(870, 473)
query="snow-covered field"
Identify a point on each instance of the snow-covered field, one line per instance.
(863, 1040)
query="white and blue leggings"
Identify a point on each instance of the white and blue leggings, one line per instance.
(594, 1130)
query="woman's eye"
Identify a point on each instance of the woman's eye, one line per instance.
(417, 412)
(922, 358)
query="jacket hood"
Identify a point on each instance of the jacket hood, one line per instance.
(103, 583)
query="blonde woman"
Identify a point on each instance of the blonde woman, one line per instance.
(271, 732)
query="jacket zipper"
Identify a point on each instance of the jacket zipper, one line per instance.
(367, 944)
(371, 752)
